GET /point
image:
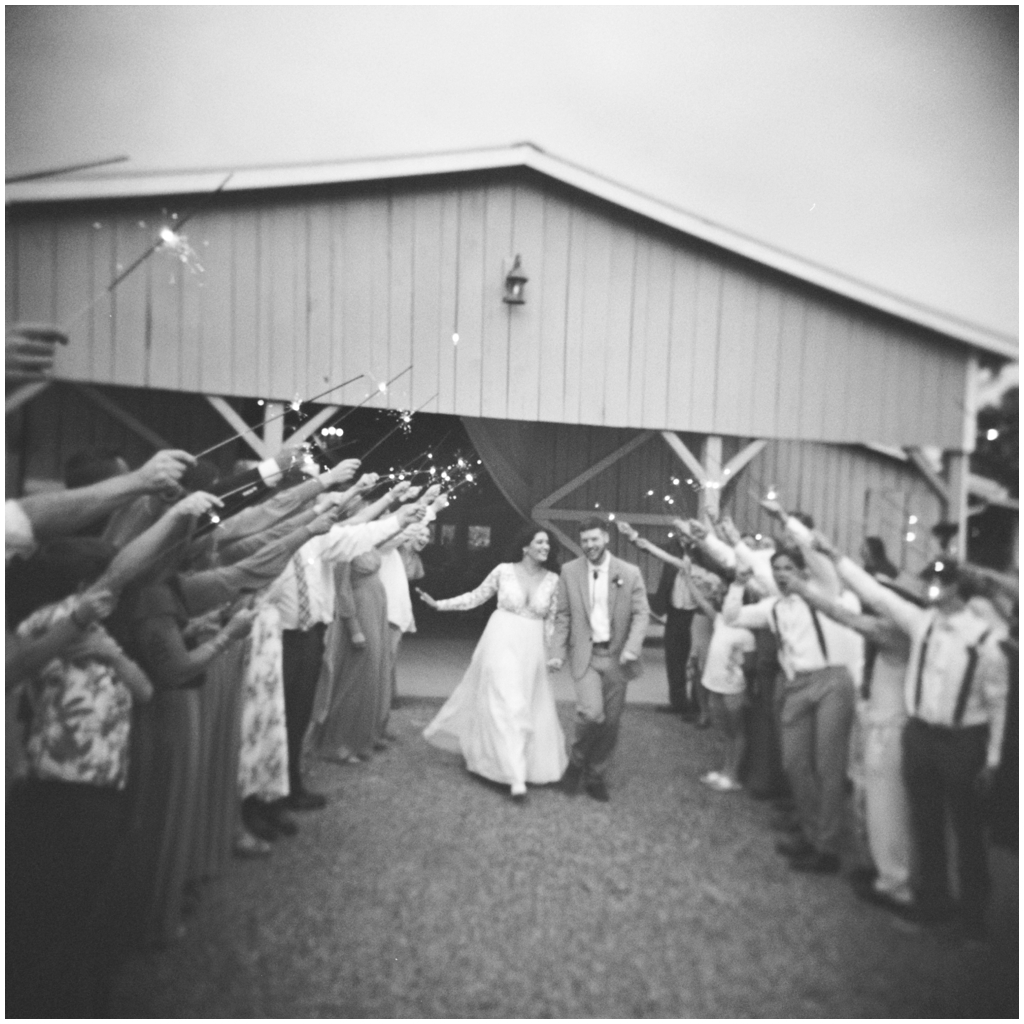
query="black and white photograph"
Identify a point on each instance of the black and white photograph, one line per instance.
(512, 511)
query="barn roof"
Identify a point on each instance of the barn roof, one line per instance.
(524, 155)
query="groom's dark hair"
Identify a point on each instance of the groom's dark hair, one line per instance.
(593, 523)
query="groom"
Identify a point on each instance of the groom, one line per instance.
(602, 617)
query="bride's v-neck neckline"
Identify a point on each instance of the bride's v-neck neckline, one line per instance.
(527, 593)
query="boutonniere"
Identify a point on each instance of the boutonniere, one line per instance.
(618, 581)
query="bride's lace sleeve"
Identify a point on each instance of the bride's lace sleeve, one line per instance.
(474, 598)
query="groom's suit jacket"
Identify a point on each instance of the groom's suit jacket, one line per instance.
(627, 610)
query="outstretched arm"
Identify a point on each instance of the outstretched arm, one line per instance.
(875, 628)
(138, 555)
(471, 599)
(55, 513)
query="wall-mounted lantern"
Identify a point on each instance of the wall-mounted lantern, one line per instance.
(515, 283)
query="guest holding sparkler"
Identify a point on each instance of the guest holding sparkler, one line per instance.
(304, 596)
(683, 606)
(353, 696)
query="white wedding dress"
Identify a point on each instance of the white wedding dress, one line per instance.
(502, 716)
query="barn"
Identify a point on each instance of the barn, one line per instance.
(603, 350)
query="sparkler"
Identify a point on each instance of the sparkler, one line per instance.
(399, 426)
(252, 430)
(168, 236)
(53, 172)
(164, 239)
(380, 389)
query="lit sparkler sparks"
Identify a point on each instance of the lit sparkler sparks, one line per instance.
(174, 242)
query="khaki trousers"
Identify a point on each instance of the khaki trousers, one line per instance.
(817, 716)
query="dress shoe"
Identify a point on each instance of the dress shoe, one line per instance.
(248, 847)
(283, 822)
(257, 817)
(816, 863)
(869, 894)
(570, 781)
(797, 846)
(597, 790)
(303, 800)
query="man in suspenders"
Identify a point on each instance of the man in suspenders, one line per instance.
(817, 711)
(956, 693)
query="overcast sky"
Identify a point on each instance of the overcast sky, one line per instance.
(878, 141)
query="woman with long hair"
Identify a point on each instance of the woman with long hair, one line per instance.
(502, 717)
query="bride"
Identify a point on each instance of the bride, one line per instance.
(502, 716)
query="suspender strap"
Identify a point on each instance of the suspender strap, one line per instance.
(965, 686)
(870, 656)
(817, 628)
(923, 657)
(820, 632)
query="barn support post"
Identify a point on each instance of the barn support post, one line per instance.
(709, 472)
(273, 427)
(20, 398)
(111, 408)
(244, 431)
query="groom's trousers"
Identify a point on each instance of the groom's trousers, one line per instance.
(596, 736)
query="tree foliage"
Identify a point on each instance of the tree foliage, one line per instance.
(998, 458)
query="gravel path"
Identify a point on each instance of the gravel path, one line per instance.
(423, 892)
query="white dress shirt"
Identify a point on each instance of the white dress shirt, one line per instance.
(682, 592)
(597, 581)
(944, 642)
(800, 649)
(340, 544)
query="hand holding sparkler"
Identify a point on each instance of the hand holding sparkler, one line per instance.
(773, 508)
(744, 574)
(409, 514)
(683, 528)
(698, 530)
(727, 531)
(426, 598)
(627, 531)
(197, 503)
(344, 472)
(163, 471)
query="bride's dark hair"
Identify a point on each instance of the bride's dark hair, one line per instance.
(525, 537)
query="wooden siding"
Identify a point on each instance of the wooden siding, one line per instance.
(626, 323)
(850, 491)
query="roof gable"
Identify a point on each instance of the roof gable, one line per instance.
(519, 155)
